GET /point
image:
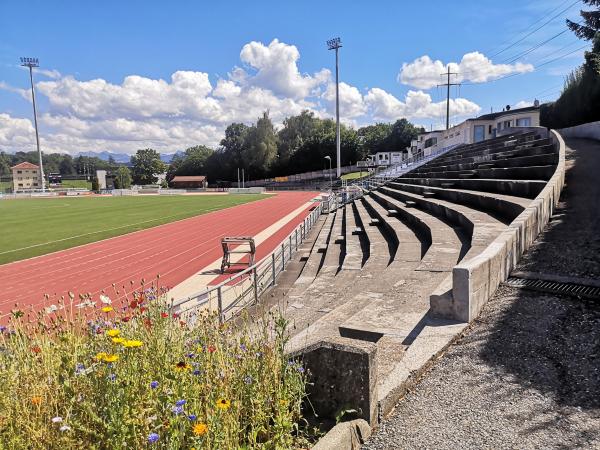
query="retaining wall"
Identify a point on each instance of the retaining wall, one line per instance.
(475, 281)
(587, 130)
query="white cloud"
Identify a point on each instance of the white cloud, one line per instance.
(416, 105)
(523, 104)
(188, 109)
(277, 69)
(424, 73)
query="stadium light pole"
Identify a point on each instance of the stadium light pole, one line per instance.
(330, 182)
(31, 63)
(336, 44)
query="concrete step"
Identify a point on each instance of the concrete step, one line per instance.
(518, 188)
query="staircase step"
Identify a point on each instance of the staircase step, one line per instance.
(374, 222)
(410, 204)
(392, 212)
(429, 194)
(357, 230)
(447, 185)
(339, 239)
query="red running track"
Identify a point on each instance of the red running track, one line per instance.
(176, 251)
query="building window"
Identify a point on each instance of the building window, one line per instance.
(19, 171)
(20, 184)
(35, 184)
(489, 129)
(431, 141)
(506, 124)
(479, 133)
(524, 122)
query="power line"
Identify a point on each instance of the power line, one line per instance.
(534, 48)
(540, 27)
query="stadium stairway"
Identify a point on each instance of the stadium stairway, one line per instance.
(381, 264)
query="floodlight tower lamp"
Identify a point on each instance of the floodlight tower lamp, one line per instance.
(336, 44)
(31, 63)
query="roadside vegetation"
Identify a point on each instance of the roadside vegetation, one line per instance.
(99, 373)
(580, 97)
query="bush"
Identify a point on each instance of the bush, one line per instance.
(128, 374)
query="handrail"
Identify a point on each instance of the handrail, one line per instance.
(251, 279)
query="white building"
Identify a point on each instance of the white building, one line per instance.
(479, 129)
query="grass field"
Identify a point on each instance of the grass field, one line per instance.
(32, 227)
(77, 184)
(355, 175)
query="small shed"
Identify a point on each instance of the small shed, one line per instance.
(189, 182)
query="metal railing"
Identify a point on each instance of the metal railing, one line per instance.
(388, 173)
(244, 288)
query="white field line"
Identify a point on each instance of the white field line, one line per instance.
(103, 231)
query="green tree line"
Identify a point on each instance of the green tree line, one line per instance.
(299, 146)
(580, 98)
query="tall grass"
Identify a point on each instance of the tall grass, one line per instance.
(110, 375)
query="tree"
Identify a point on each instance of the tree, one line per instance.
(146, 164)
(233, 144)
(403, 132)
(95, 184)
(66, 166)
(373, 138)
(260, 146)
(122, 178)
(591, 22)
(192, 162)
(295, 132)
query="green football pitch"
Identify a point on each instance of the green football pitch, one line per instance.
(32, 227)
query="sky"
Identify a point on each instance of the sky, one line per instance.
(122, 75)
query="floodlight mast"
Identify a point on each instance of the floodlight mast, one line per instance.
(336, 44)
(31, 63)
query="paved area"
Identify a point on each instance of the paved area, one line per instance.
(527, 373)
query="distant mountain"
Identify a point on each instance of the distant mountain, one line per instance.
(118, 157)
(168, 157)
(125, 158)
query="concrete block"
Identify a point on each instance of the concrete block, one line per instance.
(357, 230)
(339, 239)
(342, 376)
(392, 212)
(345, 436)
(304, 256)
(374, 222)
(429, 194)
(410, 203)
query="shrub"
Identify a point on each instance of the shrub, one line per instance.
(128, 374)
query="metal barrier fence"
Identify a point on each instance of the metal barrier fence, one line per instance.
(388, 173)
(243, 289)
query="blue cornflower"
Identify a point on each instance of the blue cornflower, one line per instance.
(2, 329)
(180, 402)
(112, 377)
(190, 355)
(79, 369)
(300, 369)
(192, 417)
(177, 410)
(154, 384)
(153, 437)
(243, 347)
(197, 372)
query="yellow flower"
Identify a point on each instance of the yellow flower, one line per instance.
(182, 366)
(36, 400)
(283, 402)
(200, 429)
(118, 340)
(100, 356)
(110, 358)
(132, 344)
(223, 404)
(113, 333)
(107, 309)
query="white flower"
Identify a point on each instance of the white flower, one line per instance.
(65, 428)
(86, 304)
(57, 419)
(105, 299)
(52, 308)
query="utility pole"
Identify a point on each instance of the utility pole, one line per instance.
(448, 84)
(336, 44)
(31, 63)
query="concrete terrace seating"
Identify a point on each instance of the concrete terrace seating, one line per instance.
(387, 276)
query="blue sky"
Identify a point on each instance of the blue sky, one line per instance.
(81, 41)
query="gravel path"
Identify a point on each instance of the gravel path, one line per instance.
(527, 374)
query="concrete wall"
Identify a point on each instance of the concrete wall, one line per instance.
(587, 130)
(475, 281)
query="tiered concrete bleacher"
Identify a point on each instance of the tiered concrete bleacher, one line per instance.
(389, 269)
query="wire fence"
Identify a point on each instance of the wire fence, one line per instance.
(243, 289)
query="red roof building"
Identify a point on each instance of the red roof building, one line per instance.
(26, 177)
(189, 181)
